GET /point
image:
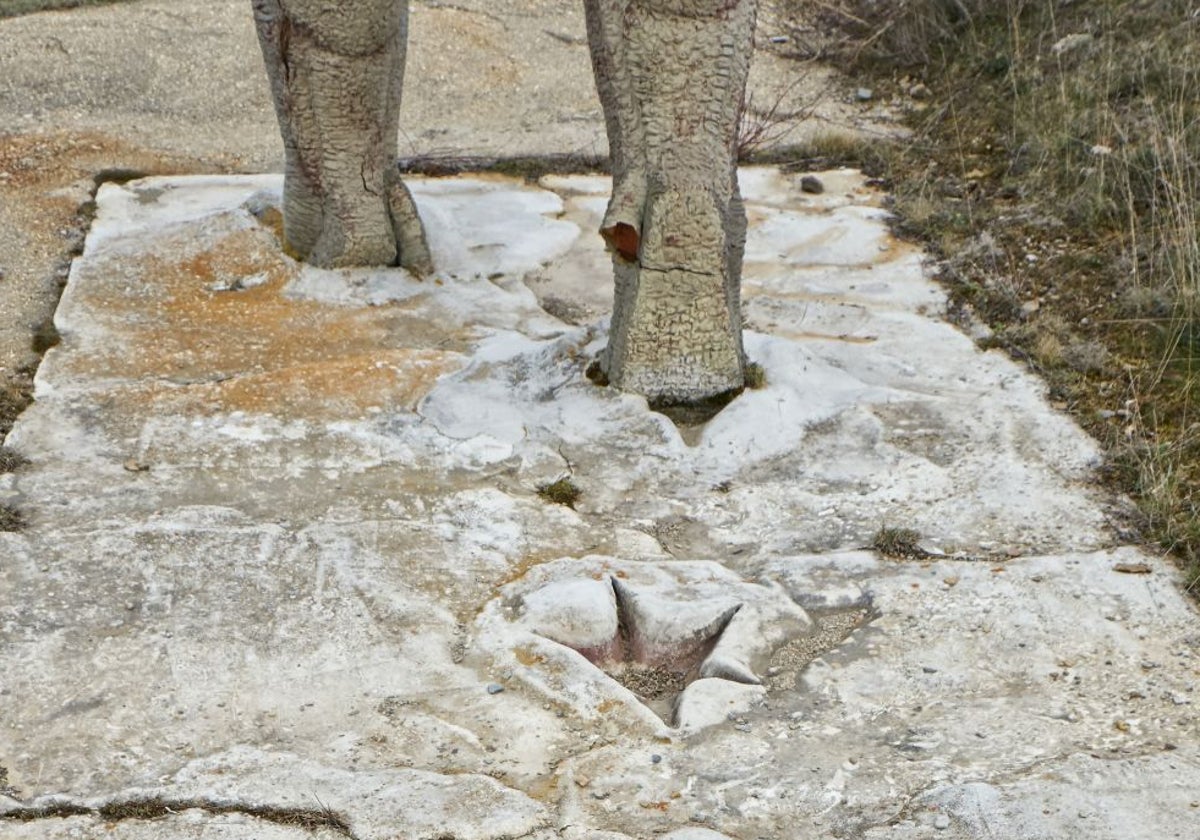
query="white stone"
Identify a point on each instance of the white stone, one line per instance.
(338, 546)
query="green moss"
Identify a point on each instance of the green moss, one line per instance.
(561, 492)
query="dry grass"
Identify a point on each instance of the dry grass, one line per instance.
(10, 460)
(889, 33)
(898, 543)
(1056, 168)
(14, 397)
(11, 519)
(756, 376)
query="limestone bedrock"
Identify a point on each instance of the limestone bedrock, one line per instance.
(286, 554)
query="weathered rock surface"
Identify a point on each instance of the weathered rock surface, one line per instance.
(286, 544)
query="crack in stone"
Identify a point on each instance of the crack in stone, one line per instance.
(309, 819)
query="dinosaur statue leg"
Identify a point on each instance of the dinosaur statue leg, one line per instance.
(336, 74)
(671, 75)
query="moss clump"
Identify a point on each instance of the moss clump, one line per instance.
(561, 492)
(898, 543)
(756, 376)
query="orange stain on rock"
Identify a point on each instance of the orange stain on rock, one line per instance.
(219, 324)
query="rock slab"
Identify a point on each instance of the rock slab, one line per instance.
(286, 540)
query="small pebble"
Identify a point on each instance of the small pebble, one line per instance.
(655, 759)
(864, 94)
(941, 822)
(812, 185)
(494, 688)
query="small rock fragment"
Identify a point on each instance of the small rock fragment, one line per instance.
(864, 94)
(494, 688)
(941, 822)
(812, 185)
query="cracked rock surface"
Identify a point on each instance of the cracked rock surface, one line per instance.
(287, 560)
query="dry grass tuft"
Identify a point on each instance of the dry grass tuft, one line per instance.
(11, 460)
(756, 376)
(898, 543)
(14, 397)
(11, 519)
